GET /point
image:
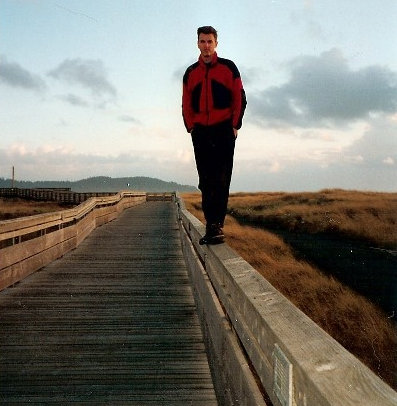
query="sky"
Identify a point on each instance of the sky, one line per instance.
(93, 88)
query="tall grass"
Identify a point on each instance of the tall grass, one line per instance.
(367, 216)
(16, 207)
(352, 320)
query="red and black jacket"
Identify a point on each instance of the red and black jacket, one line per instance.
(213, 93)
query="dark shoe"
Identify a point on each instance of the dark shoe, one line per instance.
(213, 235)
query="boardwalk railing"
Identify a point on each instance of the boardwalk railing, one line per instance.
(295, 361)
(60, 195)
(29, 243)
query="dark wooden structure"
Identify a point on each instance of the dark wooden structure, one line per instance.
(112, 322)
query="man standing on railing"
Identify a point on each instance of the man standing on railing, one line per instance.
(213, 105)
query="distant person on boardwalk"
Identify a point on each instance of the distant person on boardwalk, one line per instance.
(213, 105)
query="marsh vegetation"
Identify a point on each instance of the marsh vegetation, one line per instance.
(255, 226)
(11, 208)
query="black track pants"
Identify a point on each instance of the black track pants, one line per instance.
(214, 151)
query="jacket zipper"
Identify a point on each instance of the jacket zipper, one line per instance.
(206, 93)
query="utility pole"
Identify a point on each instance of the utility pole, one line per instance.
(13, 177)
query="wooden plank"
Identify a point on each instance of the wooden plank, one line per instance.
(38, 244)
(18, 252)
(29, 224)
(112, 322)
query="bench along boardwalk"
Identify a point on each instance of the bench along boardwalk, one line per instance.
(112, 322)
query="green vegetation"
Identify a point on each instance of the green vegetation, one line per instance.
(105, 184)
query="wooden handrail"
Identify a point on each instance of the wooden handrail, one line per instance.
(61, 195)
(29, 243)
(296, 361)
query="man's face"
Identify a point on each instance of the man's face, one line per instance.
(207, 44)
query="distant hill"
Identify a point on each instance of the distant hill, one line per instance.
(105, 184)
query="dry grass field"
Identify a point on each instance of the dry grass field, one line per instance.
(15, 207)
(367, 216)
(357, 324)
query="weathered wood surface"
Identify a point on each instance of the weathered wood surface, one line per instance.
(112, 322)
(30, 243)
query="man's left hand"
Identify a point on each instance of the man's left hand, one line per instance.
(235, 132)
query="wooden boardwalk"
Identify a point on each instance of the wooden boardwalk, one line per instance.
(112, 322)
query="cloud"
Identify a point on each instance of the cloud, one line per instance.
(58, 162)
(87, 73)
(317, 135)
(323, 91)
(389, 161)
(129, 119)
(367, 163)
(73, 100)
(378, 145)
(14, 75)
(250, 76)
(310, 176)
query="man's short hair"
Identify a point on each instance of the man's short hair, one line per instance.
(207, 29)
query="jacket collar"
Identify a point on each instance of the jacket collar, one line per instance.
(213, 61)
